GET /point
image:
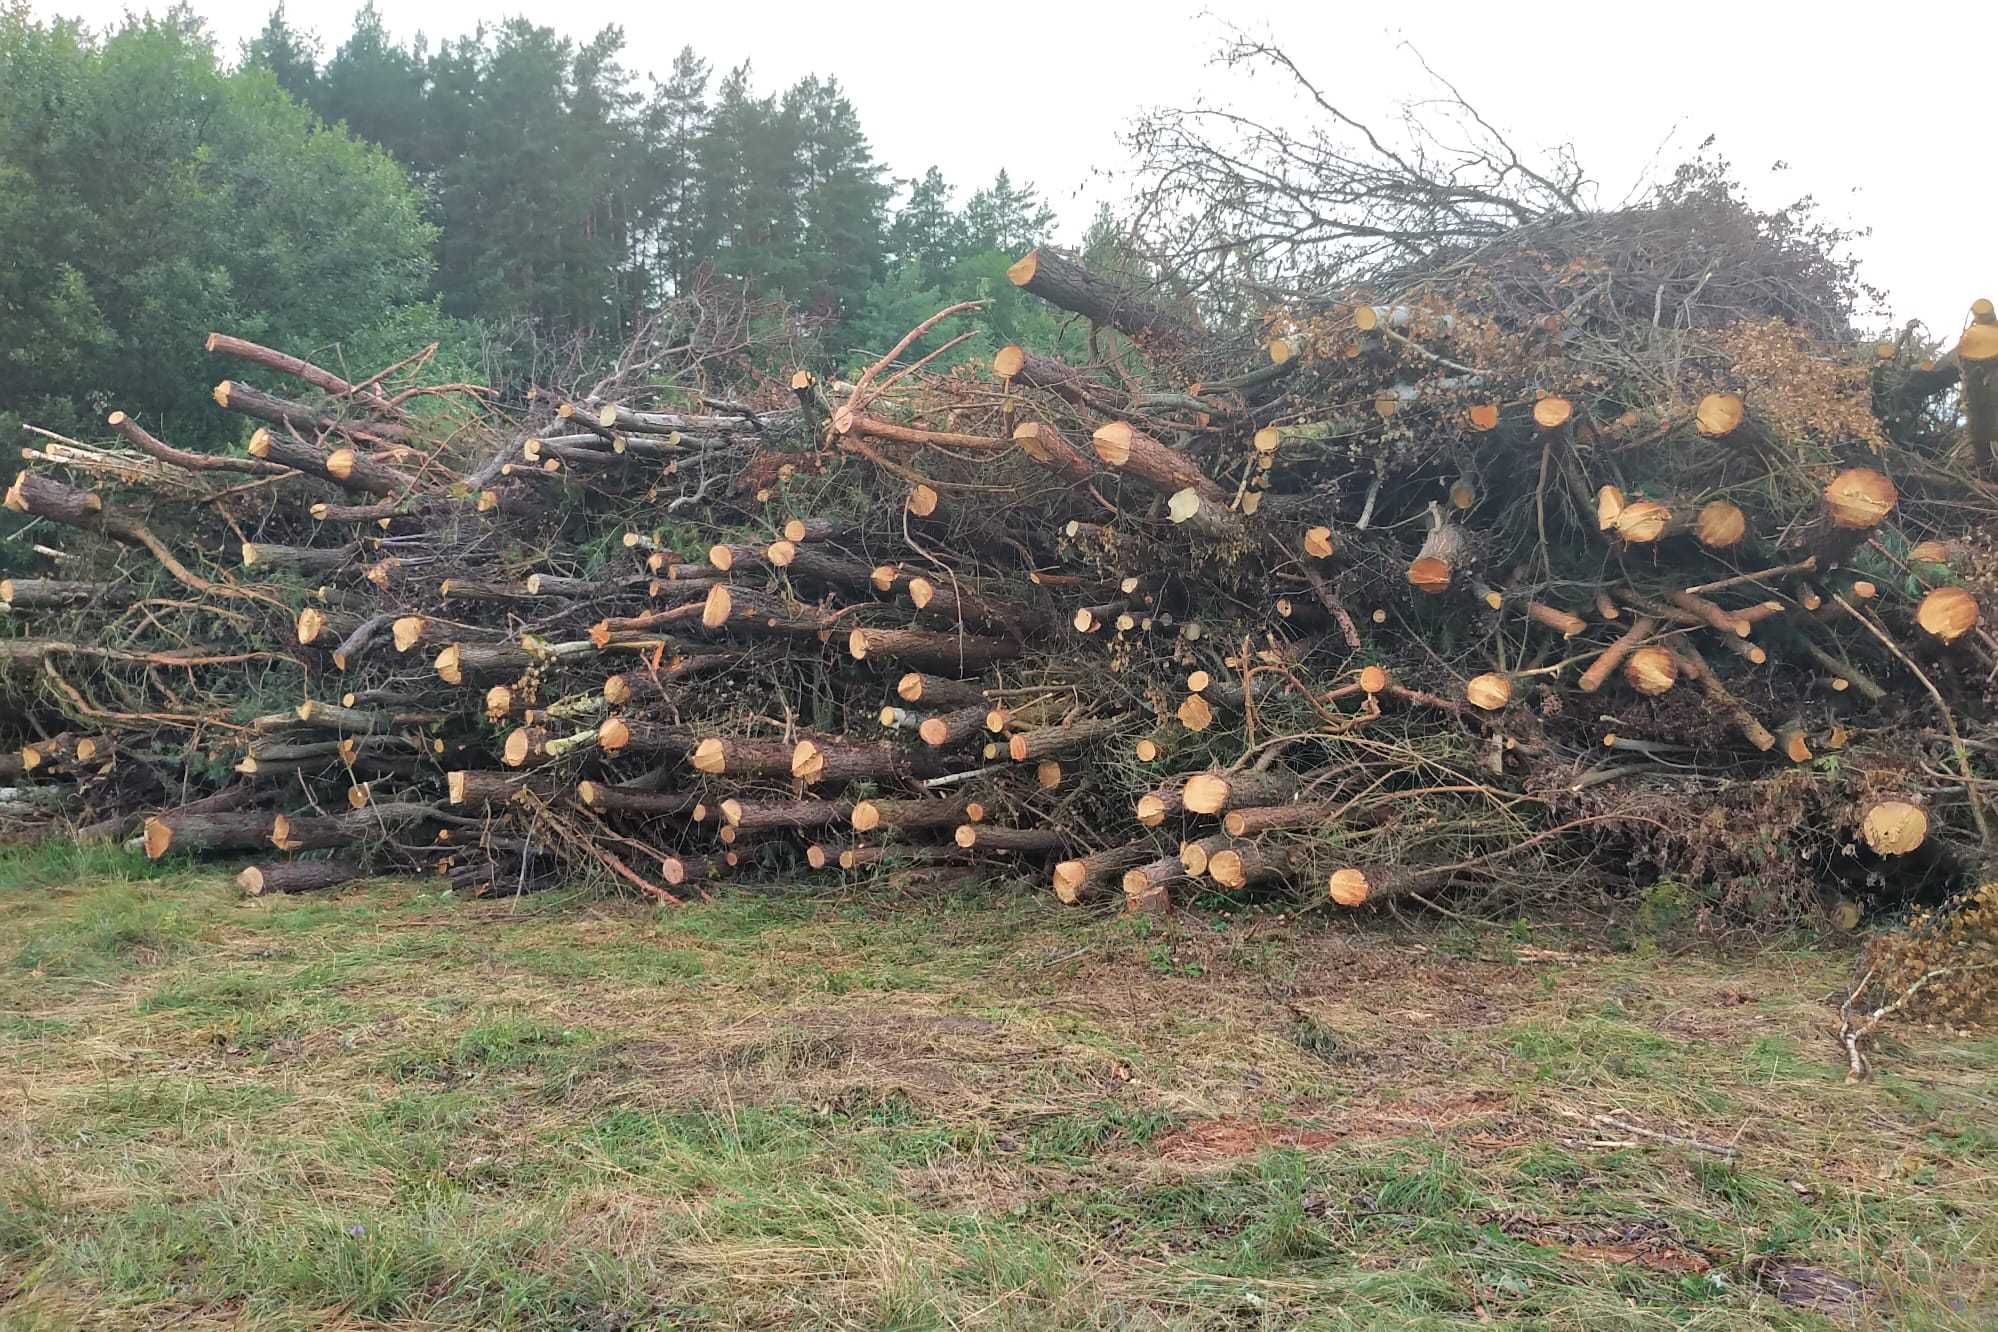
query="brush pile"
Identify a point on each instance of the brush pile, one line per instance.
(1591, 555)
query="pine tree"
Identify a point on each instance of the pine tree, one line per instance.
(676, 120)
(290, 55)
(375, 86)
(1004, 217)
(927, 231)
(842, 191)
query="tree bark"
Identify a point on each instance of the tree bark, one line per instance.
(1061, 281)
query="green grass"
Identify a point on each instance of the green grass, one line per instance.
(967, 1112)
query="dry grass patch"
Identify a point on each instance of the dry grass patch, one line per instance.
(971, 1112)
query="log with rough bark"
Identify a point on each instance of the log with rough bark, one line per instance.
(1445, 553)
(1080, 879)
(1062, 282)
(922, 647)
(1125, 448)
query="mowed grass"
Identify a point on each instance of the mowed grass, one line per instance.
(970, 1111)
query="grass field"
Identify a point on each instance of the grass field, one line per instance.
(966, 1112)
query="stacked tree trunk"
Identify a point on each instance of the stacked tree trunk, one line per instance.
(1402, 600)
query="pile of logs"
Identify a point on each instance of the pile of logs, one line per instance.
(1402, 591)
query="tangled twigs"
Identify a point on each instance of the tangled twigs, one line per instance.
(1852, 1031)
(1957, 747)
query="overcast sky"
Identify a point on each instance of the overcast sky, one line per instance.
(1879, 113)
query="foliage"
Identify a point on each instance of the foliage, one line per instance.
(1943, 965)
(942, 256)
(147, 196)
(567, 197)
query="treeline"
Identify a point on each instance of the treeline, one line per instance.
(508, 187)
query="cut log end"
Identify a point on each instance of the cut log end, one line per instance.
(157, 838)
(808, 761)
(1206, 793)
(1651, 670)
(717, 607)
(1860, 498)
(1894, 827)
(1429, 574)
(1349, 887)
(1490, 691)
(1720, 525)
(1947, 614)
(1719, 414)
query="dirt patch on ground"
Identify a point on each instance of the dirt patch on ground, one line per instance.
(1637, 1243)
(1206, 1141)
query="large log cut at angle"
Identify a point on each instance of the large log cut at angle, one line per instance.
(1062, 282)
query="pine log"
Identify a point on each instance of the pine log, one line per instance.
(957, 727)
(370, 822)
(1147, 887)
(309, 559)
(1062, 282)
(478, 788)
(1945, 613)
(355, 645)
(1029, 746)
(1207, 517)
(1263, 818)
(1246, 863)
(1356, 885)
(233, 396)
(1445, 552)
(1045, 445)
(754, 815)
(1652, 669)
(992, 837)
(196, 833)
(1195, 856)
(221, 344)
(1155, 807)
(908, 815)
(1977, 361)
(1218, 792)
(343, 467)
(629, 688)
(1076, 881)
(1124, 447)
(53, 593)
(957, 603)
(718, 754)
(45, 497)
(826, 759)
(610, 798)
(938, 691)
(956, 652)
(637, 735)
(1894, 827)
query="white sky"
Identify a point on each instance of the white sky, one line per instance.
(1879, 113)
